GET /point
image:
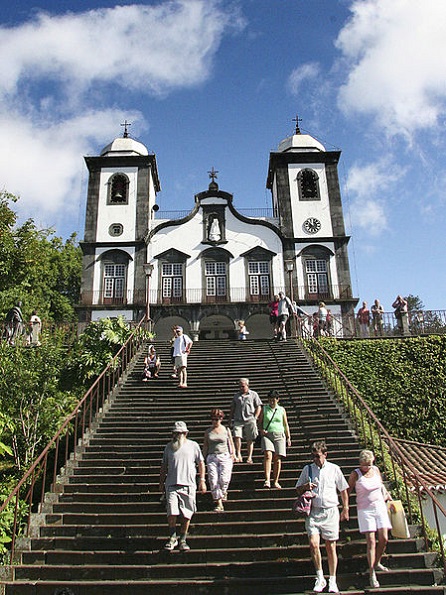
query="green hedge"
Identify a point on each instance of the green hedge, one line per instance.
(404, 382)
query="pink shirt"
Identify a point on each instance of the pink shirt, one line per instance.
(368, 489)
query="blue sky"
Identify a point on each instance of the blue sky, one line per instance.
(209, 83)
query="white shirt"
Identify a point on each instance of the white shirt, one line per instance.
(328, 479)
(181, 344)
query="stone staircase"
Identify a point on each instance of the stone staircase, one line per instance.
(103, 528)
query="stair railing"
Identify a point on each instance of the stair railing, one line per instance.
(69, 439)
(373, 435)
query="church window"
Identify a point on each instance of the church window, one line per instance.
(115, 229)
(216, 279)
(308, 183)
(172, 280)
(118, 189)
(114, 283)
(259, 278)
(317, 277)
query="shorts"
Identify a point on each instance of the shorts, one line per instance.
(273, 318)
(248, 428)
(282, 318)
(181, 499)
(181, 361)
(324, 521)
(374, 517)
(275, 441)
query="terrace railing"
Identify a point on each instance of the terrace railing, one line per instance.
(405, 480)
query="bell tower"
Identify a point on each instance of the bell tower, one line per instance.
(306, 198)
(121, 201)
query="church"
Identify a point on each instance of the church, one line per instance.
(211, 266)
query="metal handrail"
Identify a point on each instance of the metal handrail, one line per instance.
(71, 436)
(370, 430)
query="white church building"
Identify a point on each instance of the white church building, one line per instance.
(212, 265)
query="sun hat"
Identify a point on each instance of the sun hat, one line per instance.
(180, 427)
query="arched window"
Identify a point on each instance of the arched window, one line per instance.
(173, 276)
(118, 190)
(308, 183)
(316, 264)
(216, 274)
(259, 274)
(114, 277)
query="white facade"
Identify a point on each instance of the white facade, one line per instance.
(214, 266)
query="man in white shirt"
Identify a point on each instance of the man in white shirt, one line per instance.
(181, 349)
(325, 479)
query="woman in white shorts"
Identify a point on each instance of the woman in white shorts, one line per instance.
(371, 497)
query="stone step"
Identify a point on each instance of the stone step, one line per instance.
(104, 530)
(222, 541)
(209, 570)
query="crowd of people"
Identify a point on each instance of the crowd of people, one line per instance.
(373, 318)
(250, 419)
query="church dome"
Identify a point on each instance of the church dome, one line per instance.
(300, 143)
(124, 145)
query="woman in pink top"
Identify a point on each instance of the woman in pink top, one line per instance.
(371, 497)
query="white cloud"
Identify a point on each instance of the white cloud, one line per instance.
(42, 163)
(393, 51)
(60, 73)
(148, 48)
(307, 72)
(372, 189)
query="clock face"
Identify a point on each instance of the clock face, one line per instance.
(312, 225)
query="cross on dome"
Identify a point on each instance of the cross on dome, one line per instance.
(213, 174)
(126, 125)
(297, 120)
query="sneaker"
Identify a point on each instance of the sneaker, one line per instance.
(381, 567)
(171, 544)
(219, 508)
(332, 587)
(319, 585)
(374, 581)
(184, 547)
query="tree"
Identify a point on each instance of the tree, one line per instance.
(37, 268)
(414, 303)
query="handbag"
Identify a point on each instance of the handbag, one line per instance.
(258, 440)
(302, 505)
(397, 516)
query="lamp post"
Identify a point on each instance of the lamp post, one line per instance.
(289, 267)
(148, 270)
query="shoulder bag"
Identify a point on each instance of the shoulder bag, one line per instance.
(302, 504)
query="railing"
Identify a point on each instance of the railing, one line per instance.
(253, 213)
(373, 435)
(417, 322)
(69, 439)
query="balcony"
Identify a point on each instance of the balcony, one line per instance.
(198, 296)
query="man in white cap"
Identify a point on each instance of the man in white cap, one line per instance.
(181, 348)
(178, 477)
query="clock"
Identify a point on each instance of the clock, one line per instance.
(311, 225)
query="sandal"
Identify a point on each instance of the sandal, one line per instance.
(277, 485)
(267, 484)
